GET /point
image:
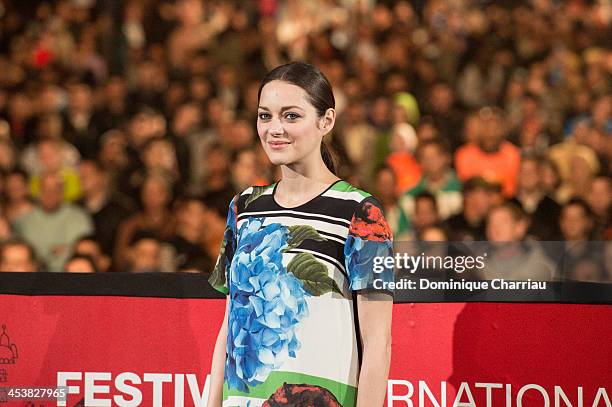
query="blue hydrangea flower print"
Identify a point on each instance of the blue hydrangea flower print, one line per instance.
(360, 255)
(267, 304)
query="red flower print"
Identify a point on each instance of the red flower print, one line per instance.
(301, 395)
(369, 223)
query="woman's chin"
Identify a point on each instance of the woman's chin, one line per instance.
(278, 159)
(279, 162)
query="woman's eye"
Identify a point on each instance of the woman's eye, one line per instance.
(264, 116)
(292, 116)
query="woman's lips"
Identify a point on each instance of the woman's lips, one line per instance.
(278, 145)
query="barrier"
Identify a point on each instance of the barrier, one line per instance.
(127, 340)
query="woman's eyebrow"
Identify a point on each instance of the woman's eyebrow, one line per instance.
(282, 108)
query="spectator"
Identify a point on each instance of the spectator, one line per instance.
(425, 212)
(144, 253)
(186, 249)
(245, 170)
(52, 226)
(551, 179)
(37, 157)
(18, 201)
(159, 157)
(89, 246)
(438, 178)
(506, 223)
(469, 225)
(55, 157)
(190, 141)
(17, 256)
(18, 114)
(218, 181)
(407, 170)
(511, 258)
(581, 258)
(357, 137)
(493, 158)
(106, 209)
(146, 124)
(114, 112)
(113, 154)
(540, 207)
(577, 163)
(600, 202)
(576, 221)
(80, 263)
(446, 116)
(386, 193)
(433, 233)
(81, 124)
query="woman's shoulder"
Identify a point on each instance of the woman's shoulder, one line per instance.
(348, 192)
(243, 198)
(256, 189)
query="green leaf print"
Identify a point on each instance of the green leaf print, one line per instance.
(313, 274)
(257, 192)
(299, 233)
(217, 278)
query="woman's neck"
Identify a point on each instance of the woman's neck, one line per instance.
(299, 184)
(305, 176)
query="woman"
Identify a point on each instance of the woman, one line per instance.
(303, 320)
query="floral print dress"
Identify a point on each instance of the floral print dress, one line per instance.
(291, 274)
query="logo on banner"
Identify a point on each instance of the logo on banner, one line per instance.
(8, 356)
(8, 350)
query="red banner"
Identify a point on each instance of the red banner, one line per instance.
(125, 351)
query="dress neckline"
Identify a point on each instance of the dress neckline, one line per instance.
(305, 203)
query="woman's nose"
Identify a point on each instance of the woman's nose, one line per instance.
(276, 127)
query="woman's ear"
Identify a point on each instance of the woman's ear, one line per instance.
(327, 121)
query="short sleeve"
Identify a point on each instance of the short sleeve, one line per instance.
(218, 279)
(368, 244)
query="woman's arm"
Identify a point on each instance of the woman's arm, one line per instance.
(375, 311)
(217, 370)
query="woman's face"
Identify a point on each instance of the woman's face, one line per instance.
(288, 125)
(154, 194)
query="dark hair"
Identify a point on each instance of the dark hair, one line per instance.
(87, 238)
(142, 234)
(316, 86)
(427, 196)
(438, 142)
(575, 201)
(18, 172)
(477, 183)
(516, 211)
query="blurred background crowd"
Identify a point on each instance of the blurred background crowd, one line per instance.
(126, 126)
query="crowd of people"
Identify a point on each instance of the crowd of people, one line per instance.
(127, 126)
